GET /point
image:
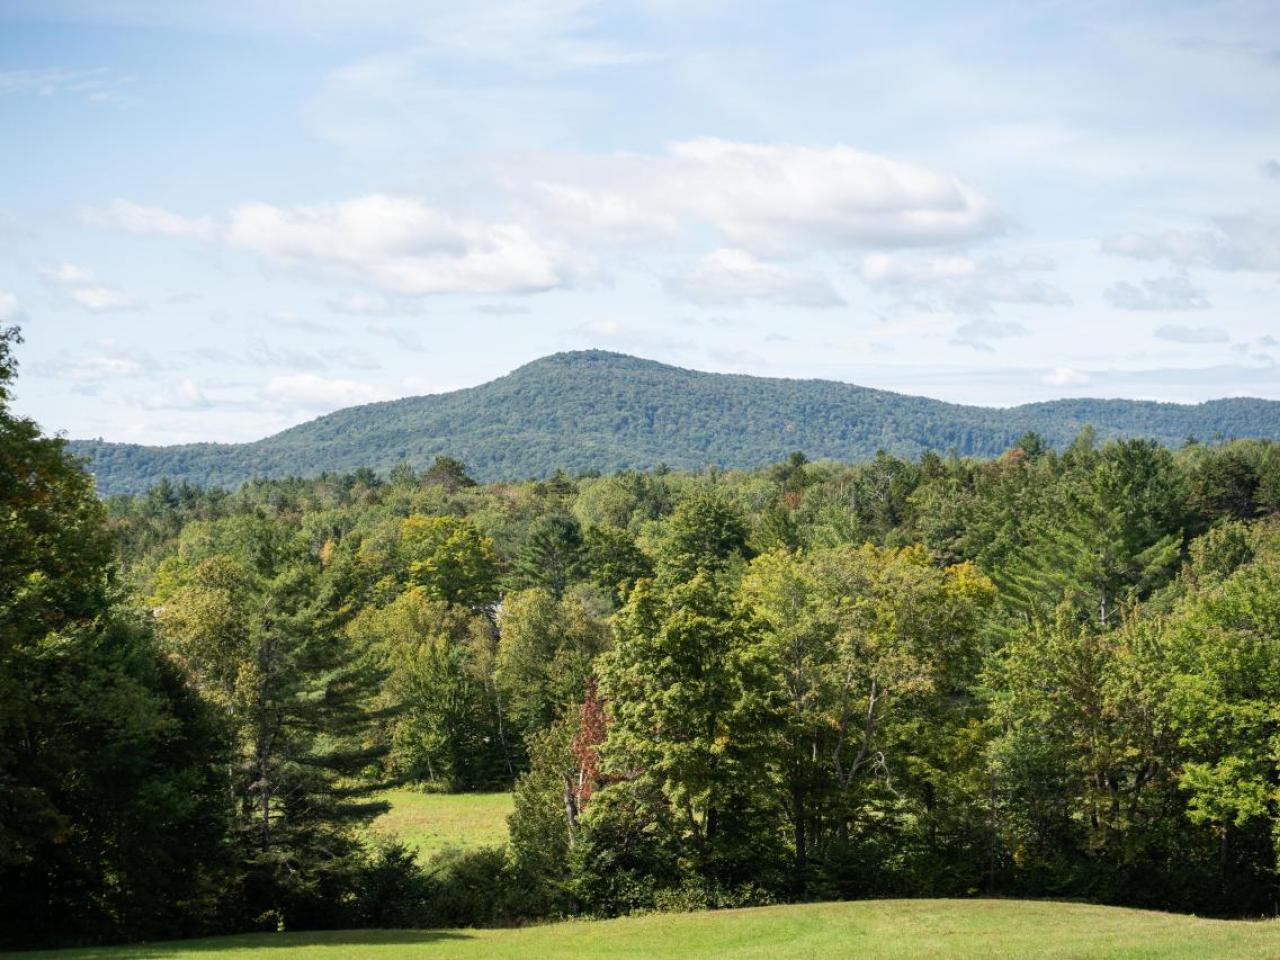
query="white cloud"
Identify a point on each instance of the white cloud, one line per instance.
(402, 246)
(136, 218)
(312, 393)
(80, 286)
(100, 299)
(1065, 377)
(1270, 169)
(734, 276)
(882, 269)
(68, 274)
(1174, 292)
(1183, 334)
(10, 309)
(95, 368)
(99, 85)
(961, 284)
(1234, 243)
(184, 394)
(767, 199)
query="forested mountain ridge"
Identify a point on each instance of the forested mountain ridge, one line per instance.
(595, 410)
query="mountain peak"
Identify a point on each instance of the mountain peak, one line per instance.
(589, 410)
(595, 359)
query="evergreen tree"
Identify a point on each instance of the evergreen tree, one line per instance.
(553, 554)
(110, 818)
(246, 624)
(614, 561)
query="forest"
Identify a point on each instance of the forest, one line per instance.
(592, 410)
(1047, 673)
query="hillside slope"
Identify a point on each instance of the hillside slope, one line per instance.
(593, 410)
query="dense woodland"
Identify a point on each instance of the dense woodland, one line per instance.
(593, 410)
(1048, 673)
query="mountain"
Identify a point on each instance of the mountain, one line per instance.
(593, 410)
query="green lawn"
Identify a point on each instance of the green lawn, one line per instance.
(870, 930)
(429, 822)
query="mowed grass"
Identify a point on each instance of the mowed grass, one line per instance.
(869, 930)
(430, 822)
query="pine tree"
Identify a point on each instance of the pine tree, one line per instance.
(245, 621)
(553, 554)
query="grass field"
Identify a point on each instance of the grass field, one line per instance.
(430, 822)
(870, 930)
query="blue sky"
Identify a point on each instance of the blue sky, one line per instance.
(217, 220)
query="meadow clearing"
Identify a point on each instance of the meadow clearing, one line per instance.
(430, 822)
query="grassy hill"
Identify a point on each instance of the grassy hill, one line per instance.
(593, 410)
(870, 930)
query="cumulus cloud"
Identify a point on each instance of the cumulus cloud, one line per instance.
(401, 245)
(1182, 334)
(183, 394)
(1234, 243)
(136, 218)
(82, 287)
(961, 284)
(10, 308)
(766, 199)
(1173, 292)
(313, 393)
(89, 369)
(767, 202)
(734, 276)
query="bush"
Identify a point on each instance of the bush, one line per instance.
(392, 890)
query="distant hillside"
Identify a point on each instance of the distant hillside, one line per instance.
(593, 410)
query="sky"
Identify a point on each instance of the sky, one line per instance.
(219, 220)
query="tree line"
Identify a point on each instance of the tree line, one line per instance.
(1045, 674)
